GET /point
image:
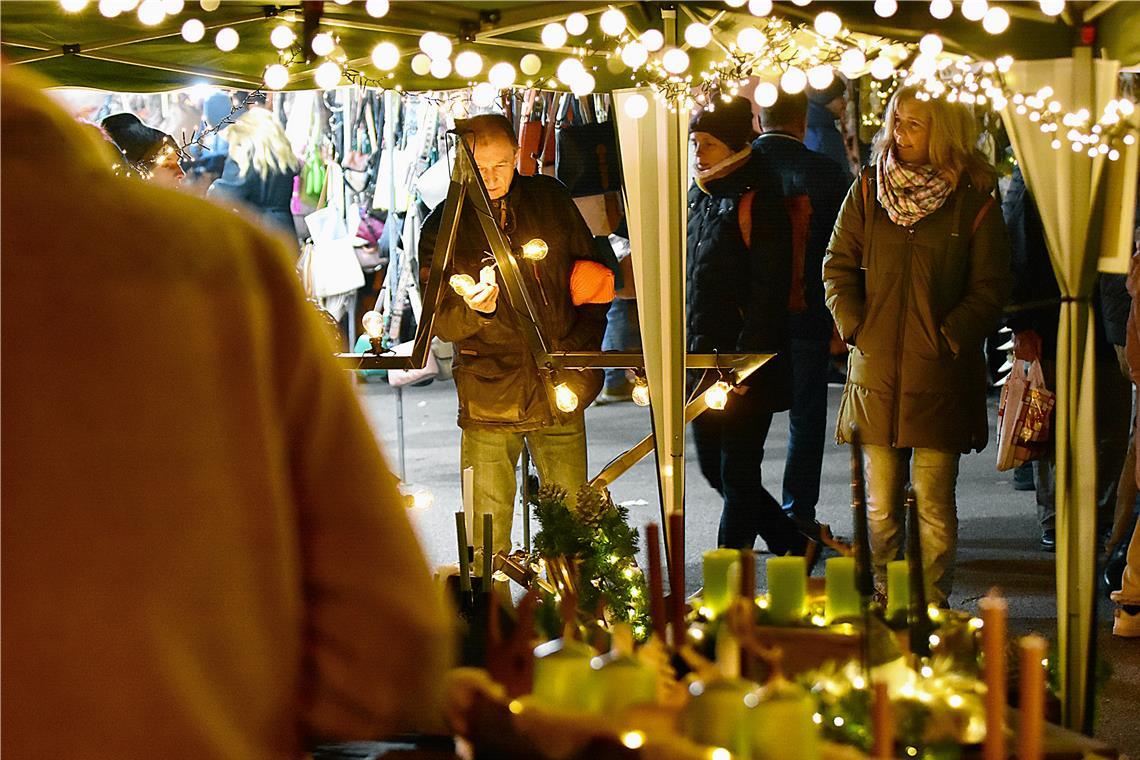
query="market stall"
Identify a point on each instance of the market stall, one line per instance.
(659, 60)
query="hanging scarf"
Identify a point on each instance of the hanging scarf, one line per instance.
(722, 168)
(909, 192)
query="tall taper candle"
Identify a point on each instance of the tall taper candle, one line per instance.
(656, 582)
(864, 578)
(488, 552)
(994, 611)
(469, 503)
(464, 560)
(1032, 702)
(918, 617)
(882, 727)
(677, 576)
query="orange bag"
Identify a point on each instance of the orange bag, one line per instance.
(591, 282)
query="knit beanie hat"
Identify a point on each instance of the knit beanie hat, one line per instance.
(138, 142)
(731, 123)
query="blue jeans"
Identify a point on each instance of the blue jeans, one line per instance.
(559, 453)
(730, 451)
(934, 475)
(623, 333)
(807, 428)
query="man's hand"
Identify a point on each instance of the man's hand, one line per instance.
(1027, 345)
(483, 298)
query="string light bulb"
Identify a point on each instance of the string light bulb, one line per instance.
(1052, 7)
(535, 249)
(173, 7)
(583, 84)
(440, 68)
(209, 5)
(766, 94)
(698, 35)
(569, 70)
(793, 80)
(675, 61)
(502, 75)
(193, 30)
(385, 56)
(73, 6)
(282, 37)
(276, 77)
(468, 64)
(377, 8)
(577, 23)
(613, 22)
(749, 39)
(930, 44)
(716, 397)
(636, 106)
(530, 64)
(886, 8)
(323, 44)
(996, 20)
(653, 40)
(226, 39)
(882, 68)
(554, 35)
(420, 64)
(565, 399)
(435, 45)
(820, 77)
(852, 61)
(634, 55)
(975, 10)
(759, 7)
(151, 12)
(640, 393)
(828, 24)
(941, 9)
(483, 94)
(327, 75)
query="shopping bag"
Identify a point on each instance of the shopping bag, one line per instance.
(586, 159)
(1024, 413)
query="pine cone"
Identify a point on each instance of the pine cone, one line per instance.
(592, 505)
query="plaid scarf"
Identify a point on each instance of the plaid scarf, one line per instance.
(907, 192)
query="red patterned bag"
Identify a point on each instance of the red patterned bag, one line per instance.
(1024, 416)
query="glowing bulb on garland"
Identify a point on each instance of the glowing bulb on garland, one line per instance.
(226, 39)
(653, 40)
(613, 22)
(554, 35)
(793, 81)
(640, 393)
(886, 8)
(151, 12)
(766, 94)
(565, 399)
(569, 70)
(975, 10)
(828, 24)
(583, 84)
(749, 39)
(327, 75)
(377, 8)
(633, 739)
(173, 7)
(759, 7)
(996, 20)
(209, 5)
(930, 44)
(501, 75)
(577, 23)
(1052, 7)
(420, 64)
(282, 37)
(717, 395)
(193, 30)
(385, 56)
(675, 61)
(636, 106)
(323, 44)
(276, 77)
(535, 249)
(735, 3)
(698, 35)
(941, 9)
(468, 64)
(882, 68)
(73, 6)
(440, 68)
(435, 45)
(634, 55)
(820, 77)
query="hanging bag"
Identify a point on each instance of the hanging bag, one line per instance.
(586, 156)
(530, 138)
(1024, 415)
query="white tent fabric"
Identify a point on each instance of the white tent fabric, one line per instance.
(653, 169)
(1065, 184)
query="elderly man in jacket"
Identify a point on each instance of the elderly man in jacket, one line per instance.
(739, 281)
(504, 401)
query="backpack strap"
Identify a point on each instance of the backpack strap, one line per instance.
(981, 215)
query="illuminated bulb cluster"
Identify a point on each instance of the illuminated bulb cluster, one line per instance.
(564, 398)
(535, 249)
(716, 397)
(641, 391)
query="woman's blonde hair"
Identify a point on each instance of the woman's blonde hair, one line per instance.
(257, 140)
(953, 138)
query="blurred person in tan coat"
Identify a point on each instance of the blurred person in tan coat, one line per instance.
(204, 554)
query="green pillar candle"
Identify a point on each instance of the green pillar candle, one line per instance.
(622, 681)
(898, 588)
(563, 677)
(782, 727)
(717, 715)
(842, 596)
(787, 588)
(722, 576)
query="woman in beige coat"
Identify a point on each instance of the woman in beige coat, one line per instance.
(916, 274)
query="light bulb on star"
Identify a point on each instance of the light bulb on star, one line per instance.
(554, 35)
(828, 24)
(613, 22)
(698, 35)
(716, 397)
(282, 37)
(276, 77)
(385, 56)
(766, 94)
(323, 44)
(636, 106)
(193, 30)
(226, 39)
(530, 64)
(565, 398)
(535, 249)
(577, 23)
(468, 64)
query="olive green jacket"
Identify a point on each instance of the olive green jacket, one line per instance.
(916, 305)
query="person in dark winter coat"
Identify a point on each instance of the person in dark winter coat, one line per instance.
(739, 282)
(149, 153)
(825, 108)
(1035, 311)
(504, 400)
(259, 170)
(916, 275)
(821, 184)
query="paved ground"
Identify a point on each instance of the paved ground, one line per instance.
(998, 532)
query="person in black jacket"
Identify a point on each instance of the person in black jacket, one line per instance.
(739, 278)
(820, 184)
(504, 398)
